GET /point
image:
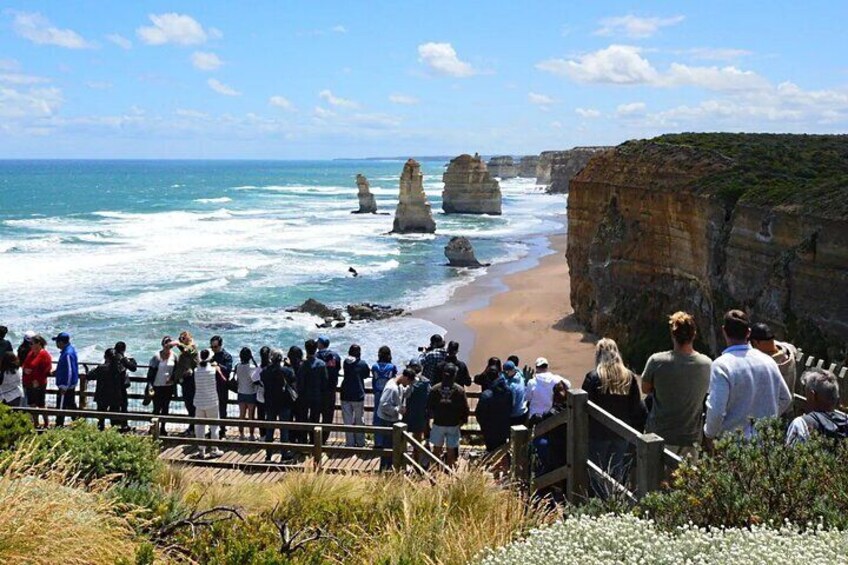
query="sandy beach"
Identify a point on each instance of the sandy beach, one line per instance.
(521, 308)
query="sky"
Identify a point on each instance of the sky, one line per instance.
(317, 80)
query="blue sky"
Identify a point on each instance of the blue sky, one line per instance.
(287, 80)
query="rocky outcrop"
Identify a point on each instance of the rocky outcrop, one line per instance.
(704, 223)
(368, 311)
(502, 167)
(367, 203)
(413, 214)
(315, 308)
(527, 166)
(335, 317)
(566, 164)
(469, 189)
(460, 253)
(543, 166)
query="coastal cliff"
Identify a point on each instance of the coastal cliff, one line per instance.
(527, 166)
(502, 167)
(708, 222)
(413, 213)
(565, 164)
(469, 188)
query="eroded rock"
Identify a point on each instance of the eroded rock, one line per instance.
(502, 166)
(413, 213)
(469, 189)
(460, 253)
(367, 202)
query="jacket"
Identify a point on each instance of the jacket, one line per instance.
(312, 382)
(448, 405)
(628, 408)
(37, 368)
(493, 413)
(225, 362)
(67, 370)
(275, 381)
(186, 363)
(353, 383)
(333, 363)
(109, 383)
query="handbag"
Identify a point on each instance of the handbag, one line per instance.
(292, 393)
(232, 384)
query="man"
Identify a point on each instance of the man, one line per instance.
(391, 409)
(109, 390)
(679, 380)
(123, 365)
(745, 384)
(463, 377)
(540, 389)
(822, 391)
(352, 394)
(312, 384)
(225, 363)
(333, 363)
(449, 410)
(493, 412)
(784, 354)
(5, 344)
(515, 380)
(434, 355)
(415, 400)
(67, 375)
(278, 382)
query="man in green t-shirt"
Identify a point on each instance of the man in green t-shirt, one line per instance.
(679, 380)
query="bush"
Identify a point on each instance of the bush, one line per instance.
(148, 507)
(14, 426)
(628, 539)
(758, 481)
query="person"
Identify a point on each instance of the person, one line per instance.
(160, 378)
(353, 394)
(822, 390)
(551, 447)
(463, 377)
(246, 390)
(678, 381)
(124, 365)
(183, 373)
(784, 354)
(521, 373)
(264, 361)
(614, 388)
(540, 389)
(67, 376)
(224, 361)
(381, 372)
(515, 380)
(11, 377)
(108, 392)
(293, 360)
(448, 408)
(279, 383)
(206, 376)
(493, 370)
(391, 409)
(5, 344)
(745, 384)
(415, 399)
(433, 356)
(312, 383)
(494, 409)
(333, 363)
(25, 346)
(37, 366)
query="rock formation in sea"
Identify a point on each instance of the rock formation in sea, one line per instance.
(413, 214)
(460, 253)
(543, 167)
(367, 203)
(502, 166)
(527, 166)
(566, 164)
(708, 222)
(469, 189)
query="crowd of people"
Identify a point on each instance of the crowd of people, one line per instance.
(681, 395)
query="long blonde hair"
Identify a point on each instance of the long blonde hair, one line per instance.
(614, 376)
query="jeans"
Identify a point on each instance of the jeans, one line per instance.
(613, 457)
(313, 416)
(188, 395)
(162, 402)
(272, 414)
(352, 414)
(108, 407)
(65, 399)
(200, 429)
(383, 440)
(223, 399)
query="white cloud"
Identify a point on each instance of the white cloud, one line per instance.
(180, 29)
(589, 113)
(403, 99)
(21, 79)
(205, 61)
(442, 59)
(333, 100)
(281, 102)
(38, 29)
(34, 103)
(616, 64)
(98, 85)
(189, 113)
(222, 88)
(541, 100)
(119, 40)
(339, 29)
(634, 26)
(713, 78)
(717, 54)
(322, 113)
(630, 109)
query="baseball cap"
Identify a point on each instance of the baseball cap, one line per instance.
(323, 340)
(63, 336)
(761, 332)
(29, 334)
(509, 366)
(414, 362)
(541, 361)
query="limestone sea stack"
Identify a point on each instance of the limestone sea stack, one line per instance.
(566, 164)
(502, 167)
(469, 189)
(413, 214)
(527, 166)
(367, 203)
(460, 253)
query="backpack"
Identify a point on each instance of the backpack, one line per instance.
(833, 425)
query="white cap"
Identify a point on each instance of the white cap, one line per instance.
(29, 334)
(540, 361)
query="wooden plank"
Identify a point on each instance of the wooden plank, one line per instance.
(649, 463)
(612, 423)
(550, 478)
(519, 440)
(577, 444)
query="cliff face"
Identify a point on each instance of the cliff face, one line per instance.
(543, 166)
(527, 166)
(469, 189)
(658, 227)
(565, 164)
(413, 214)
(502, 167)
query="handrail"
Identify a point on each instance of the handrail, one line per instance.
(619, 427)
(431, 456)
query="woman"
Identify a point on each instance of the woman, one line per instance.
(246, 390)
(11, 377)
(206, 400)
(614, 388)
(160, 378)
(279, 383)
(381, 372)
(37, 367)
(353, 394)
(108, 389)
(264, 361)
(183, 373)
(490, 374)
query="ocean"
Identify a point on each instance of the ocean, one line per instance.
(135, 250)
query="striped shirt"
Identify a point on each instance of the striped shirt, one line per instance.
(206, 395)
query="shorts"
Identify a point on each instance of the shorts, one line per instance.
(247, 398)
(35, 396)
(440, 435)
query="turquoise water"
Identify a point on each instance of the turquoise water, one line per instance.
(134, 250)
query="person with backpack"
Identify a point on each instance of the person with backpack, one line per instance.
(493, 412)
(312, 383)
(822, 390)
(448, 408)
(333, 363)
(415, 399)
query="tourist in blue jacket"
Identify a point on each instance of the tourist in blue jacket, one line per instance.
(515, 380)
(67, 375)
(312, 384)
(333, 363)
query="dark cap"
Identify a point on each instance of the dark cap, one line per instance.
(323, 340)
(63, 336)
(761, 332)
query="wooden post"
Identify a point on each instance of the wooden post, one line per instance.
(519, 470)
(155, 423)
(577, 445)
(83, 385)
(317, 446)
(398, 447)
(649, 463)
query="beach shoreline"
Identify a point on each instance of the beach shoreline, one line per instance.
(519, 308)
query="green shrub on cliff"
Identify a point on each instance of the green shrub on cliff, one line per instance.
(14, 426)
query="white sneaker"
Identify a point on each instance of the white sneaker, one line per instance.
(214, 453)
